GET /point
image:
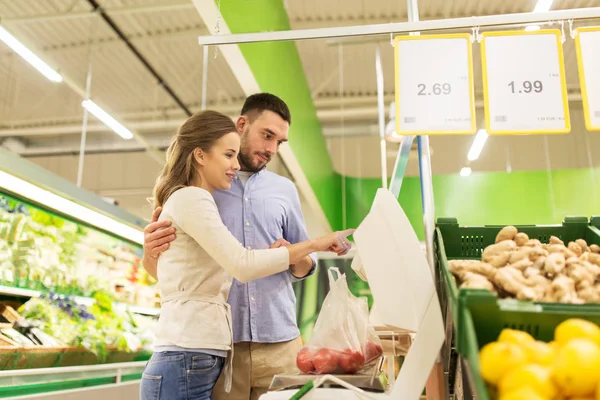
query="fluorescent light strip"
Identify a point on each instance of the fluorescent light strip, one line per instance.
(477, 145)
(543, 6)
(68, 207)
(107, 119)
(540, 7)
(28, 56)
(465, 171)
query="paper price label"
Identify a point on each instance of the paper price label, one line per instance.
(434, 85)
(587, 43)
(525, 89)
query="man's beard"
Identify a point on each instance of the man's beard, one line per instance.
(247, 161)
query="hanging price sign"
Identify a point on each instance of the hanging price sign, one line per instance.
(525, 89)
(434, 85)
(587, 43)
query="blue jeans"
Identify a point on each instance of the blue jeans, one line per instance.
(172, 375)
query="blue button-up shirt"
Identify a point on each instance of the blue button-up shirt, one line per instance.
(258, 213)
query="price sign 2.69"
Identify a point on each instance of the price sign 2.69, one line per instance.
(434, 85)
(524, 83)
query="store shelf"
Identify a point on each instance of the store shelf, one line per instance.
(21, 292)
(47, 380)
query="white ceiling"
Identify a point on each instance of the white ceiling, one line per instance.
(43, 120)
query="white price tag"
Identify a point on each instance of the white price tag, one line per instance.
(587, 43)
(434, 85)
(525, 90)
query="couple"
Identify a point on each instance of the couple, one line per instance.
(220, 215)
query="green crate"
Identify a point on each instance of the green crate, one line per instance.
(456, 242)
(539, 323)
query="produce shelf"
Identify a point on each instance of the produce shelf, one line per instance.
(44, 380)
(489, 313)
(21, 292)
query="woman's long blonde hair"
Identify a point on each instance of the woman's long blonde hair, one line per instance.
(201, 130)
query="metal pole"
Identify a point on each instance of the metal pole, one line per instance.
(341, 82)
(381, 110)
(404, 27)
(204, 76)
(88, 88)
(435, 387)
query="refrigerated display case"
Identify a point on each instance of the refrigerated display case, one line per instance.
(76, 306)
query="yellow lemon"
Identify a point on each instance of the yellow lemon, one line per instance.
(581, 398)
(534, 376)
(540, 353)
(498, 358)
(577, 368)
(524, 393)
(576, 328)
(515, 336)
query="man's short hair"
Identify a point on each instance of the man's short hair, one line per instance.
(259, 102)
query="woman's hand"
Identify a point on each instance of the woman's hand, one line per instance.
(335, 242)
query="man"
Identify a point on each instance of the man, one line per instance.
(262, 210)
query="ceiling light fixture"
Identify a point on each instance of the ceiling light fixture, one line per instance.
(477, 145)
(107, 119)
(540, 7)
(543, 6)
(28, 56)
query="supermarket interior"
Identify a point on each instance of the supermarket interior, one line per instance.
(460, 138)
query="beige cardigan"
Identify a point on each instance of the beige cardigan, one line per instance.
(195, 274)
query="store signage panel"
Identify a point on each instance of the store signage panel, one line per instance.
(587, 43)
(525, 89)
(434, 85)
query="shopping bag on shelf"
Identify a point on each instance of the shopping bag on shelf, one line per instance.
(342, 341)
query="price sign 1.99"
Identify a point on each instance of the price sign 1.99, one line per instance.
(434, 85)
(587, 43)
(524, 83)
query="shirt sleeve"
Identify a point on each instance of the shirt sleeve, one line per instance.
(294, 230)
(195, 212)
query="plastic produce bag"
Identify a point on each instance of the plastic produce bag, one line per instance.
(342, 342)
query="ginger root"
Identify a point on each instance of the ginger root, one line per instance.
(527, 269)
(533, 243)
(594, 258)
(512, 281)
(521, 239)
(498, 254)
(471, 280)
(590, 294)
(554, 264)
(579, 274)
(506, 233)
(583, 244)
(459, 267)
(575, 248)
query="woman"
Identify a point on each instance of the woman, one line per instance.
(193, 335)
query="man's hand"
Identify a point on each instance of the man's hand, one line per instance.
(280, 243)
(157, 235)
(301, 268)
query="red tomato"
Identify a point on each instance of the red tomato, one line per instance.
(304, 361)
(351, 361)
(373, 350)
(326, 361)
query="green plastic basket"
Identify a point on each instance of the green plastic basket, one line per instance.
(477, 334)
(489, 313)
